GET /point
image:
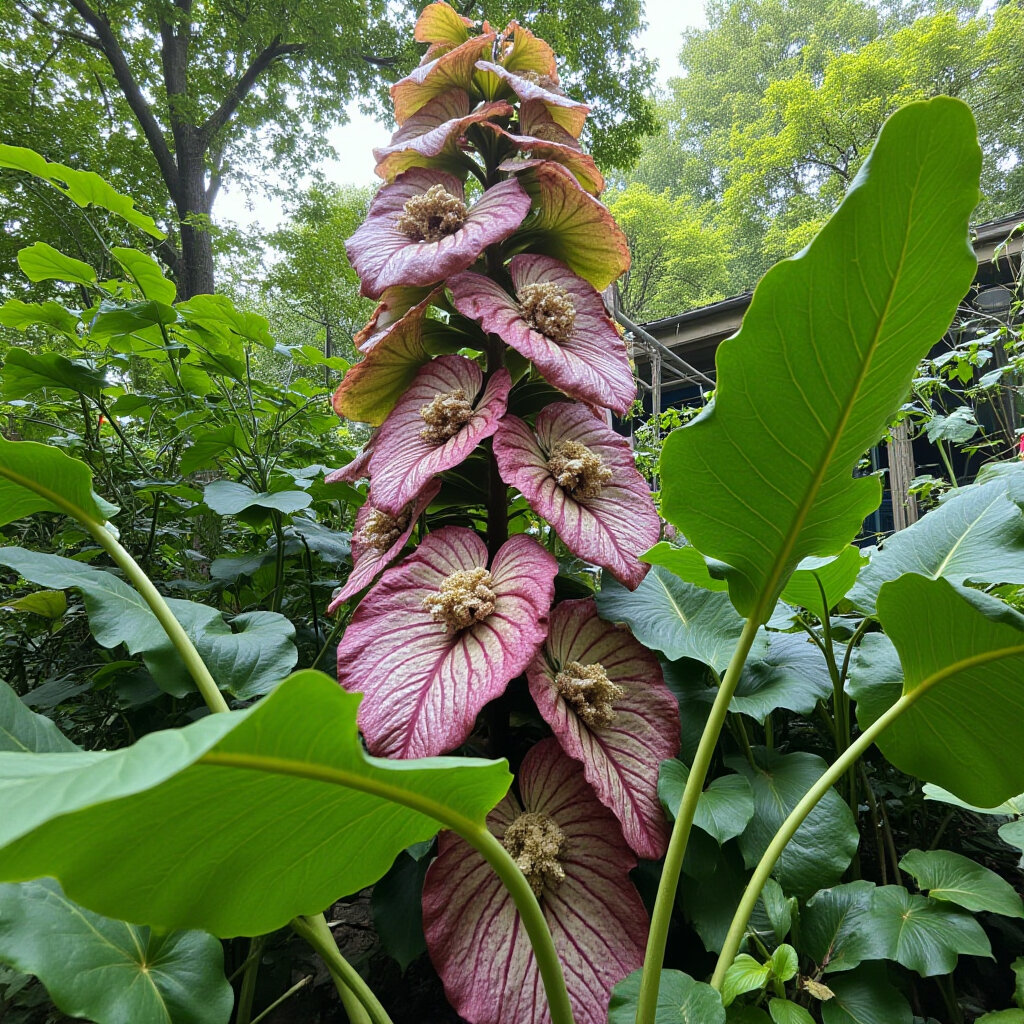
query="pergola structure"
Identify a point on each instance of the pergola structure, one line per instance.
(674, 356)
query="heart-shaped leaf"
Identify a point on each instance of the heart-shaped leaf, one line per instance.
(109, 971)
(865, 996)
(681, 1000)
(723, 809)
(745, 974)
(834, 575)
(791, 673)
(228, 498)
(41, 262)
(834, 927)
(826, 354)
(330, 818)
(24, 730)
(977, 534)
(957, 879)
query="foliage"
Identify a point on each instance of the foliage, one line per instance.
(751, 674)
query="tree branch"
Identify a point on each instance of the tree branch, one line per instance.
(68, 33)
(132, 93)
(274, 50)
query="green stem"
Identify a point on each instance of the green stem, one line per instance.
(944, 455)
(297, 987)
(275, 604)
(361, 1005)
(662, 916)
(243, 1014)
(788, 829)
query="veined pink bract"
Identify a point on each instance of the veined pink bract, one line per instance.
(558, 321)
(453, 69)
(378, 539)
(420, 231)
(606, 701)
(445, 413)
(596, 917)
(579, 475)
(564, 110)
(442, 634)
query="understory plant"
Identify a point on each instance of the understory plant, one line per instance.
(659, 771)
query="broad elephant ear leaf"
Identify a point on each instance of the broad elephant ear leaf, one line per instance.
(960, 719)
(681, 1000)
(824, 358)
(330, 818)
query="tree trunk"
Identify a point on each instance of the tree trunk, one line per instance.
(196, 268)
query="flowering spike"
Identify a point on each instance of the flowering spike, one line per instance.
(605, 699)
(562, 109)
(453, 69)
(576, 860)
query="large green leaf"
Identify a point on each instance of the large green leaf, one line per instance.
(975, 534)
(962, 711)
(865, 996)
(681, 1000)
(19, 315)
(236, 823)
(824, 359)
(957, 879)
(685, 562)
(228, 498)
(24, 373)
(824, 844)
(61, 484)
(41, 262)
(680, 619)
(86, 188)
(24, 730)
(723, 809)
(834, 575)
(783, 1011)
(108, 971)
(790, 674)
(745, 974)
(923, 934)
(246, 661)
(146, 273)
(834, 927)
(397, 905)
(876, 677)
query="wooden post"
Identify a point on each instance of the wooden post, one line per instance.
(901, 472)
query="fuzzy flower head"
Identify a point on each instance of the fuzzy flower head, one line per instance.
(571, 851)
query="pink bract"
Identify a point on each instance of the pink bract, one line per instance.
(384, 256)
(620, 757)
(430, 137)
(368, 560)
(424, 685)
(612, 528)
(393, 305)
(358, 469)
(597, 919)
(581, 164)
(452, 70)
(403, 459)
(564, 110)
(591, 364)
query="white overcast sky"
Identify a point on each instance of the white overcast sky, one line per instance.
(354, 141)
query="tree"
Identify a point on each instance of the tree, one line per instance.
(676, 263)
(312, 282)
(192, 93)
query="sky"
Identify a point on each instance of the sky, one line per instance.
(354, 141)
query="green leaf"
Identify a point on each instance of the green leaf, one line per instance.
(1002, 1017)
(108, 971)
(923, 934)
(39, 478)
(680, 619)
(49, 604)
(783, 1011)
(19, 315)
(824, 359)
(85, 188)
(958, 427)
(218, 315)
(784, 963)
(745, 974)
(1015, 805)
(138, 321)
(791, 673)
(958, 879)
(724, 808)
(24, 730)
(681, 1000)
(834, 927)
(146, 273)
(41, 262)
(177, 813)
(744, 1013)
(245, 662)
(962, 720)
(876, 677)
(207, 447)
(976, 534)
(228, 498)
(824, 844)
(1012, 833)
(865, 996)
(687, 563)
(397, 908)
(836, 575)
(24, 373)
